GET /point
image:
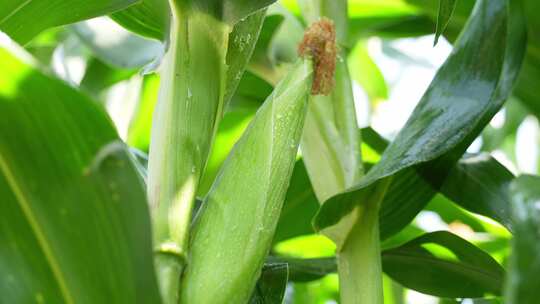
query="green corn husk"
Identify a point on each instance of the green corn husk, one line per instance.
(189, 106)
(331, 152)
(207, 55)
(233, 232)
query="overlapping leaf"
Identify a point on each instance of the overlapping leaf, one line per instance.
(22, 20)
(149, 18)
(446, 9)
(467, 91)
(522, 283)
(270, 288)
(438, 263)
(444, 265)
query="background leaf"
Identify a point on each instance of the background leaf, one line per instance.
(149, 18)
(63, 175)
(444, 265)
(110, 43)
(446, 9)
(299, 207)
(522, 283)
(432, 133)
(270, 288)
(22, 20)
(479, 183)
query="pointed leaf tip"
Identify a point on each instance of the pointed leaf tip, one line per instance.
(446, 10)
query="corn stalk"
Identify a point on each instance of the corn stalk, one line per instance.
(331, 152)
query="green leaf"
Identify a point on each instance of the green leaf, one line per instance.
(479, 183)
(278, 44)
(149, 18)
(367, 74)
(389, 19)
(438, 263)
(306, 270)
(235, 10)
(261, 53)
(408, 194)
(471, 86)
(242, 42)
(300, 206)
(526, 88)
(522, 283)
(450, 213)
(100, 76)
(471, 301)
(496, 138)
(229, 11)
(459, 16)
(43, 46)
(530, 74)
(141, 122)
(235, 226)
(230, 129)
(116, 46)
(250, 93)
(64, 175)
(22, 20)
(444, 265)
(270, 288)
(446, 9)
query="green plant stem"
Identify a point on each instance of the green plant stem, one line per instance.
(359, 261)
(189, 105)
(331, 151)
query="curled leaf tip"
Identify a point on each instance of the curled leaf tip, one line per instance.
(319, 43)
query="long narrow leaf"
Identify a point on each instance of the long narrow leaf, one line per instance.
(472, 85)
(522, 283)
(73, 218)
(149, 18)
(22, 20)
(444, 265)
(446, 9)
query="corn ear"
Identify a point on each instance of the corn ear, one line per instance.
(233, 232)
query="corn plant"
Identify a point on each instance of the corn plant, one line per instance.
(231, 167)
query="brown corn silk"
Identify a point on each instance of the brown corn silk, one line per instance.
(319, 43)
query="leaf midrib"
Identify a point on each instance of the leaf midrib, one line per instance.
(15, 11)
(491, 275)
(24, 204)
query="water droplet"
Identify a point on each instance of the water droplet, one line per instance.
(189, 94)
